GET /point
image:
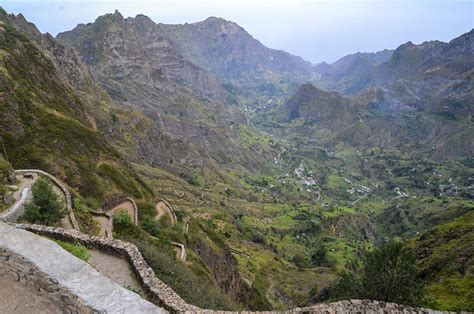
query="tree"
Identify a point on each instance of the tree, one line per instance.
(386, 274)
(46, 207)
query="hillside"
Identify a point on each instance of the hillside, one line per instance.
(351, 73)
(78, 148)
(445, 257)
(228, 51)
(45, 123)
(373, 120)
(435, 76)
(189, 123)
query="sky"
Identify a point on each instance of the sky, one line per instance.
(317, 30)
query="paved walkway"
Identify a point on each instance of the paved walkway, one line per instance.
(78, 277)
(115, 268)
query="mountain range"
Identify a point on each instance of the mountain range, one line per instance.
(281, 172)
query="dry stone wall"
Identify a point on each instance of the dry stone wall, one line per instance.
(159, 293)
(14, 212)
(163, 295)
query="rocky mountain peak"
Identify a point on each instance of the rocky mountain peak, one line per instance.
(222, 26)
(137, 49)
(110, 19)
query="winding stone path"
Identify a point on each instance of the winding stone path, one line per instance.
(181, 251)
(105, 218)
(106, 224)
(164, 208)
(115, 268)
(14, 212)
(128, 205)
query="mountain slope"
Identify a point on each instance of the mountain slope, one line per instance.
(132, 50)
(372, 119)
(435, 75)
(189, 123)
(351, 73)
(46, 124)
(227, 50)
(445, 261)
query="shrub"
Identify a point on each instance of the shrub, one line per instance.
(386, 274)
(46, 207)
(319, 257)
(122, 219)
(151, 226)
(82, 212)
(299, 260)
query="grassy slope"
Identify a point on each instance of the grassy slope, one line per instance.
(44, 124)
(446, 263)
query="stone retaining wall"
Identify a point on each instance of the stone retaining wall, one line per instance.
(159, 293)
(14, 212)
(163, 295)
(175, 218)
(119, 200)
(61, 186)
(53, 273)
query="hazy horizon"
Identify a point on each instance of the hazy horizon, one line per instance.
(314, 30)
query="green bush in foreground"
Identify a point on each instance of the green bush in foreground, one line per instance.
(387, 274)
(75, 249)
(46, 207)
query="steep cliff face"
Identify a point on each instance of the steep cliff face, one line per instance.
(66, 60)
(232, 54)
(229, 51)
(126, 54)
(188, 124)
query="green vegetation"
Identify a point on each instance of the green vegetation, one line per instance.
(82, 211)
(192, 283)
(5, 179)
(386, 274)
(289, 208)
(75, 249)
(122, 218)
(445, 257)
(47, 124)
(46, 207)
